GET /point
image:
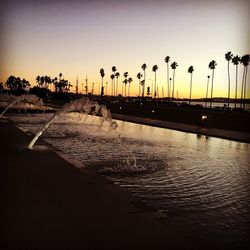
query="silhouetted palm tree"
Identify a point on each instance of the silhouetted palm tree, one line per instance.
(167, 60)
(113, 81)
(38, 81)
(42, 81)
(154, 69)
(174, 65)
(129, 81)
(212, 66)
(245, 61)
(144, 66)
(235, 61)
(60, 76)
(139, 75)
(106, 88)
(112, 78)
(208, 77)
(102, 75)
(228, 57)
(190, 70)
(125, 82)
(117, 74)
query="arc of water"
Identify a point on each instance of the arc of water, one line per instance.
(83, 105)
(23, 98)
(9, 106)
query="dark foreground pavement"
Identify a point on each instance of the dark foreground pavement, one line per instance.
(47, 203)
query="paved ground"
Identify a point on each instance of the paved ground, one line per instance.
(48, 203)
(214, 132)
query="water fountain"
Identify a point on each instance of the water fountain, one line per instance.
(14, 100)
(83, 106)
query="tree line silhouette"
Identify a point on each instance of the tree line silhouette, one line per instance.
(62, 85)
(236, 60)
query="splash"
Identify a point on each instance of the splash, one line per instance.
(83, 106)
(14, 100)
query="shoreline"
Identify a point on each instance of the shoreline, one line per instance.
(213, 132)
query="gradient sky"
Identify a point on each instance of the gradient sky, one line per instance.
(80, 37)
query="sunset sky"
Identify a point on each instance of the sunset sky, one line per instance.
(80, 37)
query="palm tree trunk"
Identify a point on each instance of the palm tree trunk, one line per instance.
(102, 88)
(168, 80)
(143, 87)
(128, 89)
(190, 89)
(155, 86)
(212, 89)
(117, 86)
(236, 73)
(242, 88)
(125, 89)
(207, 92)
(228, 99)
(245, 88)
(139, 88)
(173, 85)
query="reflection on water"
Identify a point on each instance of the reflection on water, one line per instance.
(201, 184)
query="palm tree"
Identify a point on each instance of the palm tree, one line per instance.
(208, 77)
(113, 80)
(144, 66)
(228, 57)
(117, 74)
(106, 88)
(129, 81)
(42, 81)
(190, 70)
(60, 76)
(139, 75)
(38, 80)
(235, 61)
(212, 66)
(167, 59)
(174, 65)
(245, 61)
(125, 81)
(154, 69)
(102, 75)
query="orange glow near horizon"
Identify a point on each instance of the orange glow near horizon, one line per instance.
(79, 39)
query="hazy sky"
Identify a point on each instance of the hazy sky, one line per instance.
(80, 37)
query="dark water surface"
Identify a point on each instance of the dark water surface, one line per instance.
(198, 183)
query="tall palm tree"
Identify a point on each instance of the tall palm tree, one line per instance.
(167, 60)
(129, 81)
(235, 61)
(228, 57)
(212, 66)
(112, 78)
(190, 70)
(102, 75)
(144, 66)
(139, 75)
(174, 65)
(113, 81)
(125, 81)
(245, 61)
(154, 69)
(117, 74)
(208, 77)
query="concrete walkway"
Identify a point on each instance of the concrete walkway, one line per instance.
(46, 203)
(214, 132)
